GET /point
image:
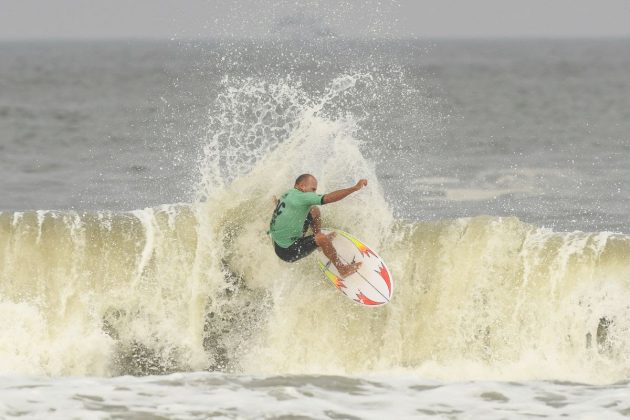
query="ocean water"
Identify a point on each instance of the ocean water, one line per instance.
(136, 279)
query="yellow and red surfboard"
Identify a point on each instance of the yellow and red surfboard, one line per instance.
(372, 284)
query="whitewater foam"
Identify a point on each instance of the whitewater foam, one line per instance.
(197, 286)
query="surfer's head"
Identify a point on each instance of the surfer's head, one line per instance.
(306, 183)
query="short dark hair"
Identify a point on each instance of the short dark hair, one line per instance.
(302, 178)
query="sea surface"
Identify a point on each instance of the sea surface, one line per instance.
(136, 185)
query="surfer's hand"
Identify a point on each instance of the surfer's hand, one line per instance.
(275, 200)
(362, 183)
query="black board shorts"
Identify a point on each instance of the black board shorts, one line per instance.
(300, 248)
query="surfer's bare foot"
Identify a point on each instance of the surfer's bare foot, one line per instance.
(331, 235)
(347, 269)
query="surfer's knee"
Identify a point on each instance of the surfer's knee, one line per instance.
(321, 239)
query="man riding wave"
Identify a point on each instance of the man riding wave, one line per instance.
(296, 211)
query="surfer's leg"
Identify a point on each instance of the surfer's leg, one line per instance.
(316, 219)
(307, 223)
(325, 243)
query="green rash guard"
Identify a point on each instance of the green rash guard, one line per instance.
(288, 218)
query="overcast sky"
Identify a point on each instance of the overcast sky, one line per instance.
(27, 19)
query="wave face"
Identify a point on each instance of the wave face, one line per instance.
(197, 286)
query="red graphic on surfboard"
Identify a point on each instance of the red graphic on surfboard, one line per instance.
(382, 271)
(335, 280)
(363, 249)
(361, 298)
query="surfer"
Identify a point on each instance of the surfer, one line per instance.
(296, 211)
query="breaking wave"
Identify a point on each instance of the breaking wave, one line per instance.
(197, 286)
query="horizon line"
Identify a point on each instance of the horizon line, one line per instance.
(334, 38)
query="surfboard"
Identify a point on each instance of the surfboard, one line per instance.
(371, 285)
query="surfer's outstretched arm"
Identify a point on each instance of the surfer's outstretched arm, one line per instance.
(341, 194)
